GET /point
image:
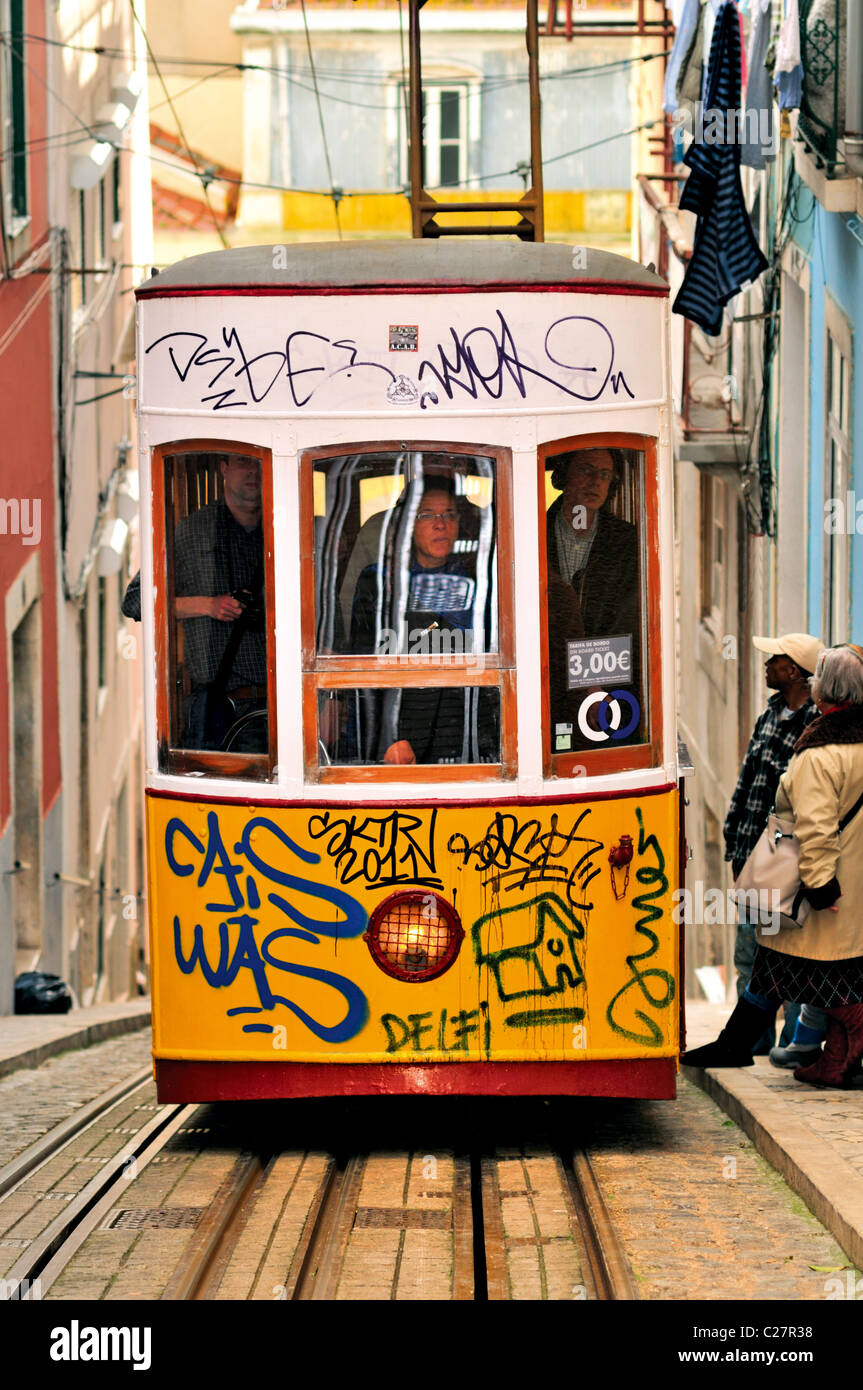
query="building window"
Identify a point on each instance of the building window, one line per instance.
(408, 613)
(837, 478)
(213, 555)
(447, 109)
(102, 634)
(713, 548)
(14, 114)
(116, 192)
(102, 194)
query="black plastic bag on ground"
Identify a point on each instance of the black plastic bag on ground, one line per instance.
(37, 992)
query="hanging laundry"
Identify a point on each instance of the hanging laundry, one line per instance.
(682, 43)
(691, 74)
(725, 255)
(711, 11)
(789, 69)
(758, 139)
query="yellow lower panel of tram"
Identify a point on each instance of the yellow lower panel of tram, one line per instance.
(258, 916)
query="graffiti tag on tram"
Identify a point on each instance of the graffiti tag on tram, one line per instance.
(653, 988)
(485, 361)
(379, 850)
(542, 966)
(513, 853)
(235, 941)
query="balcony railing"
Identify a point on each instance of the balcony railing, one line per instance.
(821, 123)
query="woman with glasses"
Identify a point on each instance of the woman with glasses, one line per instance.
(428, 590)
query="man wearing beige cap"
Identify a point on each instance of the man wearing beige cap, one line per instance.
(792, 659)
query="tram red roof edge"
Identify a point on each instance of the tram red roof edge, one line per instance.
(232, 291)
(357, 803)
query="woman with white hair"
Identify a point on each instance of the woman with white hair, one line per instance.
(822, 962)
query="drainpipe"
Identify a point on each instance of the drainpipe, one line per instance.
(854, 89)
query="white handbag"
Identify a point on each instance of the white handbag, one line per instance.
(767, 889)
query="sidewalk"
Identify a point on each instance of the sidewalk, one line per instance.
(26, 1040)
(813, 1137)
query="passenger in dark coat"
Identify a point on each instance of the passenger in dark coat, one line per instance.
(433, 724)
(595, 555)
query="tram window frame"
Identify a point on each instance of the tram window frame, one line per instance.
(634, 757)
(255, 767)
(412, 670)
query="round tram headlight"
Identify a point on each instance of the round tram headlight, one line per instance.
(414, 936)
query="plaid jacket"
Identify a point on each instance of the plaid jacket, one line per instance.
(767, 757)
(214, 555)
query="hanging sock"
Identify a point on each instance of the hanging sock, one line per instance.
(725, 255)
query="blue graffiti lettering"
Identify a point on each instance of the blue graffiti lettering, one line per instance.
(221, 957)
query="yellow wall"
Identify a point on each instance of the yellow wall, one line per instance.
(599, 211)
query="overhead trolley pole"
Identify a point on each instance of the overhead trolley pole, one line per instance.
(426, 210)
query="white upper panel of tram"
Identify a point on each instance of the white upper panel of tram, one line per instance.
(398, 328)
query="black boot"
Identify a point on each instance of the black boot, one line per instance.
(733, 1047)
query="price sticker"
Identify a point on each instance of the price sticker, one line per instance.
(595, 660)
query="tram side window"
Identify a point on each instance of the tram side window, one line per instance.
(405, 567)
(217, 605)
(596, 605)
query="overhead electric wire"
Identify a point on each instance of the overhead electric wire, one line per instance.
(350, 78)
(555, 158)
(192, 160)
(334, 193)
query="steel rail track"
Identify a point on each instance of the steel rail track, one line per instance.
(56, 1139)
(479, 1243)
(50, 1252)
(610, 1269)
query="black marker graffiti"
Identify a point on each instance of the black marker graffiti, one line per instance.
(524, 853)
(392, 848)
(647, 875)
(482, 360)
(304, 354)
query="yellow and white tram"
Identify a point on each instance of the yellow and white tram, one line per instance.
(413, 799)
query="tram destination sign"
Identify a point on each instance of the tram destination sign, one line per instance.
(338, 353)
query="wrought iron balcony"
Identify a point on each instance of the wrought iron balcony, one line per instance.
(821, 123)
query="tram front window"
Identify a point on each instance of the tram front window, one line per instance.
(217, 602)
(596, 605)
(405, 583)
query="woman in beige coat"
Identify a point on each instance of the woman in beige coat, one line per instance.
(820, 963)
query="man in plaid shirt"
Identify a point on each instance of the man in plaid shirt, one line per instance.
(791, 661)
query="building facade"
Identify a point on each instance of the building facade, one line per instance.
(69, 823)
(768, 459)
